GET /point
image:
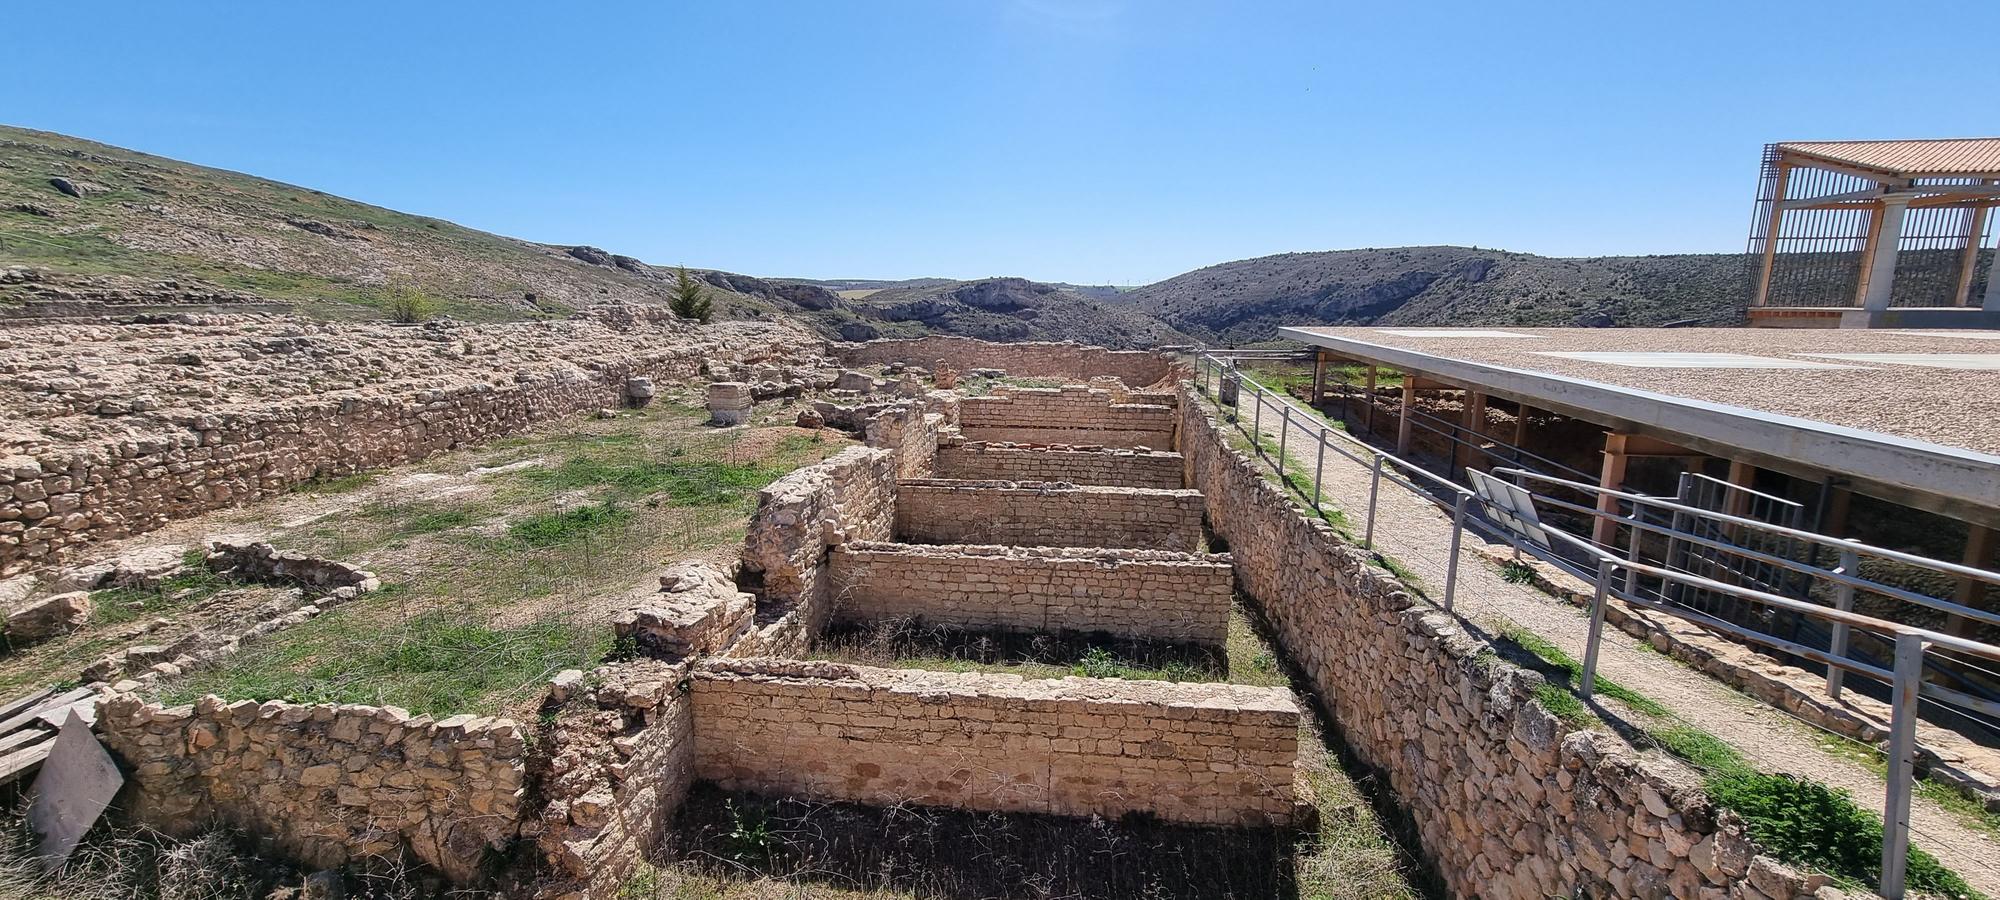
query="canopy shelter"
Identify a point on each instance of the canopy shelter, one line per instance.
(1876, 233)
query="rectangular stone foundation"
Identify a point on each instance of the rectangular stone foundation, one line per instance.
(1214, 754)
(1159, 470)
(1074, 415)
(1030, 514)
(1141, 594)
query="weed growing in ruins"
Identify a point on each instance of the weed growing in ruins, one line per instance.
(1514, 571)
(435, 663)
(1564, 672)
(409, 306)
(569, 525)
(193, 584)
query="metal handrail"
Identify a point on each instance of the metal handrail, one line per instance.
(1905, 679)
(1938, 565)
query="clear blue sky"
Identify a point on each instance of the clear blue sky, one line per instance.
(1087, 141)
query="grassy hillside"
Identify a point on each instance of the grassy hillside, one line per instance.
(102, 223)
(128, 221)
(1248, 299)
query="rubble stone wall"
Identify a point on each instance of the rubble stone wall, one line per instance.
(1068, 415)
(1030, 514)
(850, 496)
(978, 461)
(1143, 594)
(621, 759)
(331, 784)
(1508, 801)
(1136, 368)
(1205, 753)
(57, 501)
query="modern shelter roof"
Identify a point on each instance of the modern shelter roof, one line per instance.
(1948, 157)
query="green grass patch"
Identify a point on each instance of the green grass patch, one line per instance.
(116, 606)
(1565, 672)
(686, 483)
(570, 525)
(436, 663)
(1514, 571)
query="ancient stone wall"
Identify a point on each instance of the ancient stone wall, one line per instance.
(1144, 594)
(1030, 514)
(1070, 415)
(1047, 360)
(980, 461)
(55, 501)
(1207, 753)
(330, 784)
(621, 759)
(1507, 799)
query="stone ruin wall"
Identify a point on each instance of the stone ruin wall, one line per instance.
(1137, 368)
(1069, 415)
(330, 784)
(1214, 754)
(56, 502)
(1507, 800)
(1141, 594)
(1027, 514)
(978, 461)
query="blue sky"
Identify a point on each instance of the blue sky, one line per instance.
(1087, 141)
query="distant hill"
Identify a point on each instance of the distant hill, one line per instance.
(1247, 300)
(94, 227)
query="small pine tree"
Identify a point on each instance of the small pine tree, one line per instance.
(690, 299)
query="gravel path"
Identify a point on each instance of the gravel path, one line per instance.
(1418, 534)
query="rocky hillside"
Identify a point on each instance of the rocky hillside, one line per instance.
(997, 309)
(87, 228)
(1248, 299)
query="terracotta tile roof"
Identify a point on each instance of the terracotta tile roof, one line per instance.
(1910, 159)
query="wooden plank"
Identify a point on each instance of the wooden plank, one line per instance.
(85, 709)
(31, 715)
(24, 701)
(17, 763)
(18, 739)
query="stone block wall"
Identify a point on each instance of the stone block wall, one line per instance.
(1215, 754)
(1029, 514)
(980, 461)
(850, 496)
(1073, 415)
(620, 761)
(54, 502)
(330, 784)
(1046, 360)
(1143, 594)
(1507, 800)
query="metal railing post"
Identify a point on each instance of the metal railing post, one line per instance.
(1902, 747)
(1843, 600)
(1632, 553)
(1457, 537)
(1319, 468)
(1596, 638)
(1283, 429)
(1374, 490)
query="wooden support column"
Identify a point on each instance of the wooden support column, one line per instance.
(1833, 522)
(1771, 234)
(1521, 413)
(1319, 378)
(1605, 530)
(1403, 421)
(1473, 426)
(1980, 543)
(1368, 414)
(1968, 262)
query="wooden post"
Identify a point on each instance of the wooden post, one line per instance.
(1833, 522)
(1368, 417)
(1467, 455)
(1319, 378)
(1771, 234)
(1403, 421)
(1980, 542)
(1605, 531)
(1521, 413)
(1968, 262)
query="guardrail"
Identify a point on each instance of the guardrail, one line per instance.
(1509, 511)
